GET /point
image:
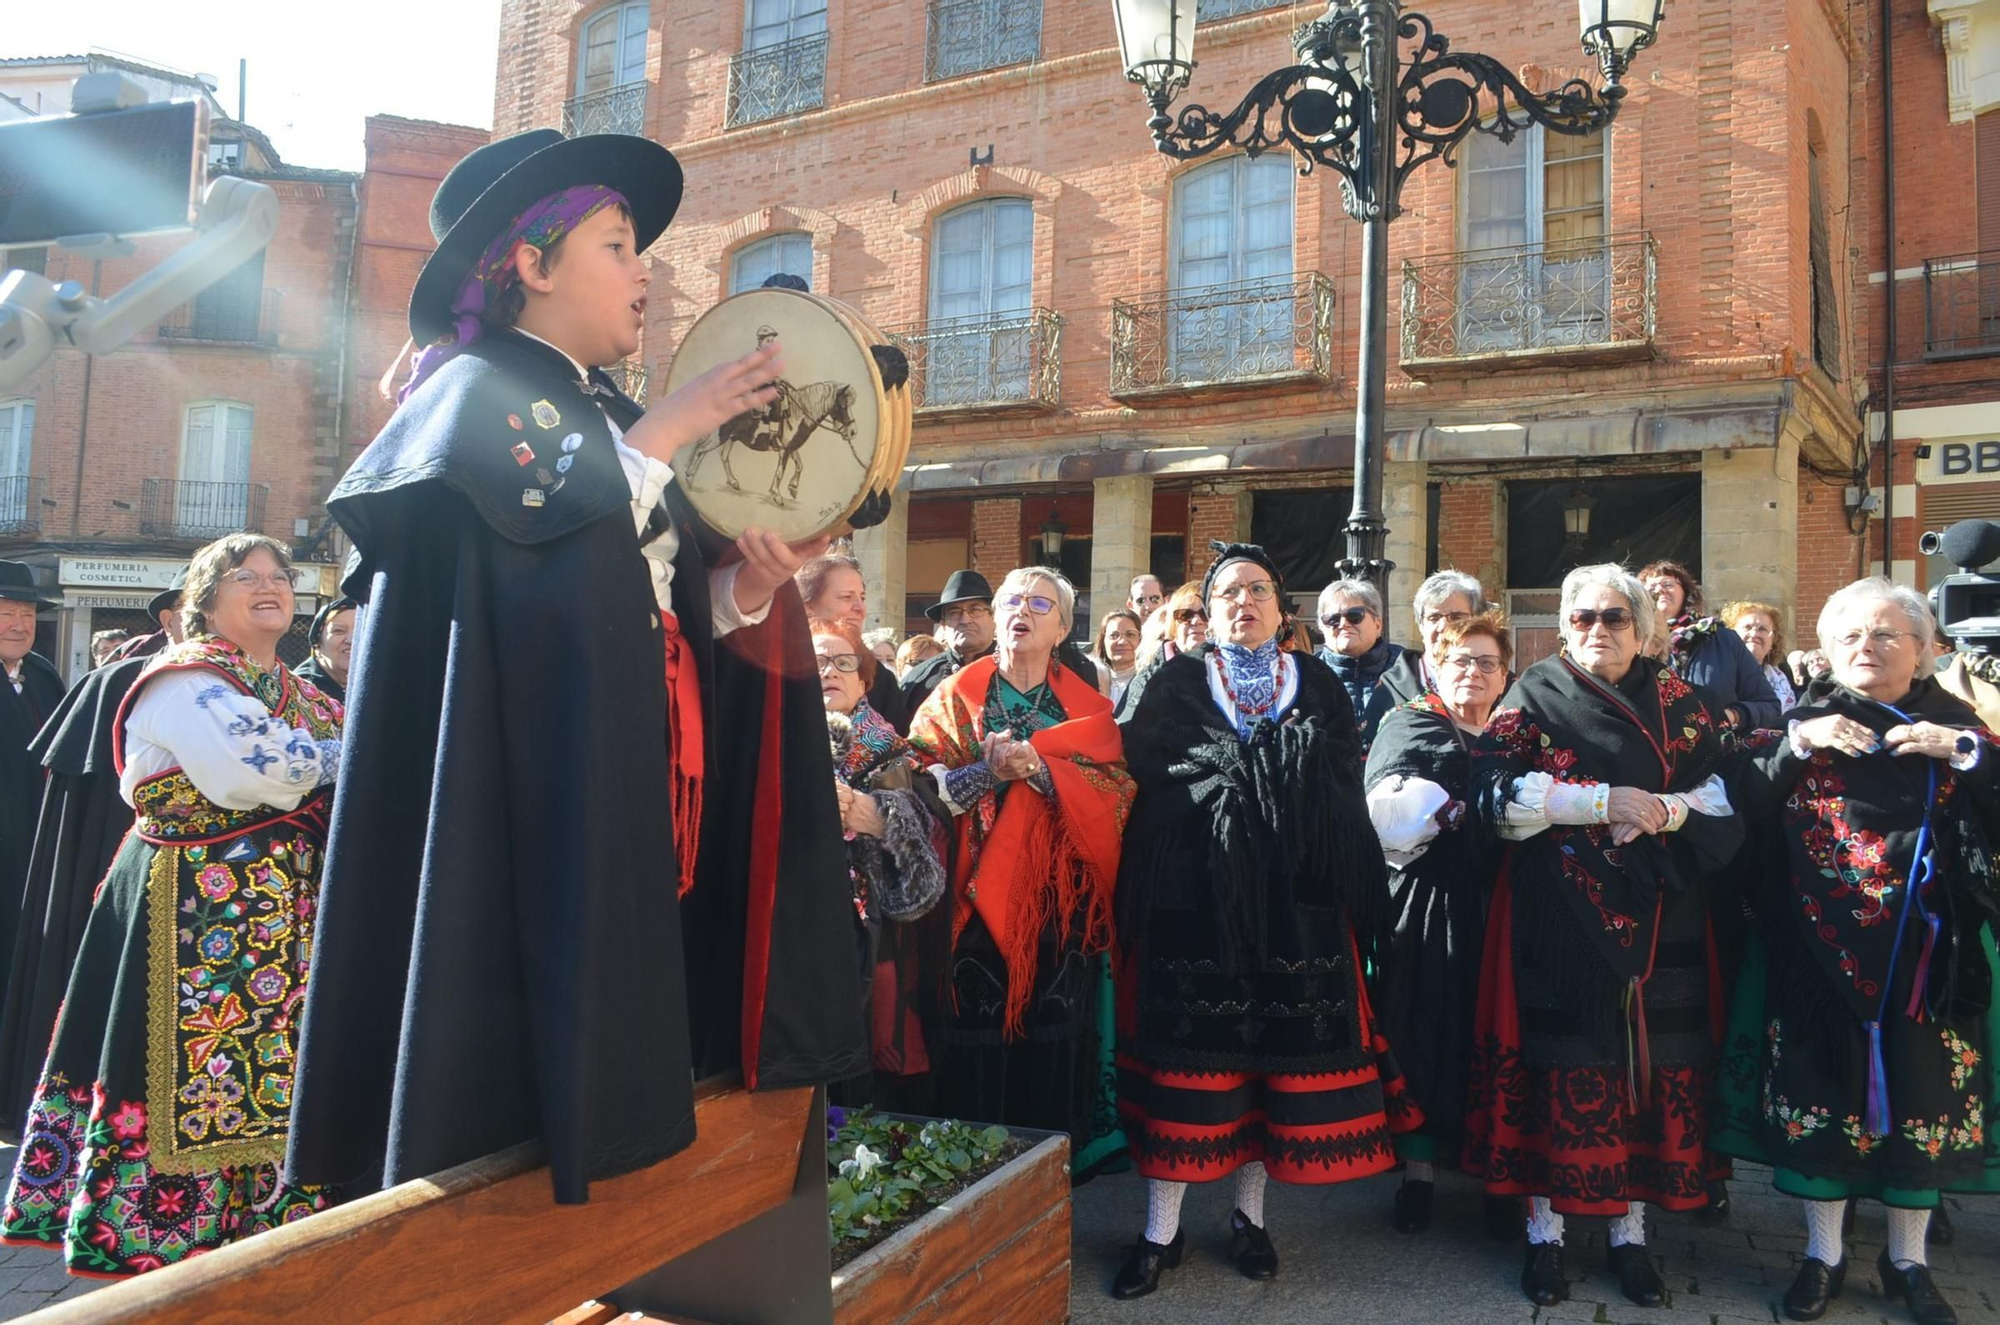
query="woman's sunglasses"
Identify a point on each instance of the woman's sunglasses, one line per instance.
(1614, 618)
(1186, 614)
(1353, 616)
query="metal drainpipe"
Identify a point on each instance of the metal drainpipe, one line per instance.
(1889, 258)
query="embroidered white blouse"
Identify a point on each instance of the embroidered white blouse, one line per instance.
(648, 478)
(230, 746)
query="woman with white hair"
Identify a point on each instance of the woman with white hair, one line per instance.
(1445, 599)
(1862, 1041)
(1596, 1035)
(1031, 767)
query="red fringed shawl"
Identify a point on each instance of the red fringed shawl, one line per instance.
(1024, 859)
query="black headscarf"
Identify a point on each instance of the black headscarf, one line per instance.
(1226, 553)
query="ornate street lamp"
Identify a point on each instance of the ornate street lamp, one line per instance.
(1373, 113)
(1052, 535)
(1576, 514)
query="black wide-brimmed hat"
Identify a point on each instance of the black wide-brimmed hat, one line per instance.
(963, 585)
(497, 182)
(169, 596)
(17, 583)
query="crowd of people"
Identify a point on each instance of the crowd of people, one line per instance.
(577, 802)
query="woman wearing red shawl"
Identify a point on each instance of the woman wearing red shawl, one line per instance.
(1031, 767)
(1246, 1041)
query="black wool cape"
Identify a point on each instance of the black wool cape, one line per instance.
(500, 951)
(21, 778)
(82, 822)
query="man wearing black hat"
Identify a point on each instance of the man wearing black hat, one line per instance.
(30, 689)
(965, 610)
(332, 640)
(569, 705)
(83, 819)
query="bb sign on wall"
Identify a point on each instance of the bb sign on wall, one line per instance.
(1963, 461)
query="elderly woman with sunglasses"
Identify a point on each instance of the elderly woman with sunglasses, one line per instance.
(1862, 1040)
(1248, 899)
(1595, 1044)
(1426, 985)
(896, 846)
(1031, 766)
(1350, 612)
(161, 1116)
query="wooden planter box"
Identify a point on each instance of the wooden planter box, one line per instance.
(1005, 1239)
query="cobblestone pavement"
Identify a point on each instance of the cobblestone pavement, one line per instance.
(1340, 1261)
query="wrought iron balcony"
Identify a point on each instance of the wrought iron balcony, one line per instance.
(1001, 361)
(774, 81)
(620, 109)
(966, 36)
(192, 511)
(225, 315)
(1588, 301)
(21, 505)
(1962, 305)
(1272, 330)
(630, 375)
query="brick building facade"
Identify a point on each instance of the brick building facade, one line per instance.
(242, 408)
(1154, 353)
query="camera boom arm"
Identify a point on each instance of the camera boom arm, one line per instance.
(37, 316)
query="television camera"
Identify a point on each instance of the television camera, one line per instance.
(1967, 604)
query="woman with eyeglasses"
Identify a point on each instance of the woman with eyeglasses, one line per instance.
(1031, 767)
(1862, 1045)
(1350, 613)
(1249, 898)
(1116, 649)
(1705, 652)
(1177, 626)
(1598, 1022)
(1426, 986)
(1761, 628)
(1443, 599)
(161, 1116)
(896, 847)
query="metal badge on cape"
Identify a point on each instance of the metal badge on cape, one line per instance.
(801, 465)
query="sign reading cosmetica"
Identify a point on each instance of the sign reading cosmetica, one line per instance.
(118, 572)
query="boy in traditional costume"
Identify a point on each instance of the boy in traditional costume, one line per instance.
(567, 721)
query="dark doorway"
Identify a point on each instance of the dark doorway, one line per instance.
(1635, 520)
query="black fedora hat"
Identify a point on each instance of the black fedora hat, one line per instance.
(17, 583)
(168, 597)
(963, 585)
(497, 182)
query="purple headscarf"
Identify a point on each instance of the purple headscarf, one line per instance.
(540, 225)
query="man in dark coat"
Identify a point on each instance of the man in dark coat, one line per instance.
(83, 821)
(30, 689)
(500, 952)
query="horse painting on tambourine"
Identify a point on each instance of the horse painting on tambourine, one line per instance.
(803, 463)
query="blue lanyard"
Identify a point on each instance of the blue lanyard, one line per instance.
(1919, 881)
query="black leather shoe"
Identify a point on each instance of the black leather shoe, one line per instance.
(1638, 1278)
(1141, 1274)
(1915, 1287)
(1504, 1218)
(1250, 1248)
(1413, 1207)
(1818, 1284)
(1941, 1233)
(1542, 1278)
(1717, 1209)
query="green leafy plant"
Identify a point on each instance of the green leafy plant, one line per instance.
(881, 1172)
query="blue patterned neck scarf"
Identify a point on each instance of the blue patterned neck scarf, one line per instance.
(1252, 675)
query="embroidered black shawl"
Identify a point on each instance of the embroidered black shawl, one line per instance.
(1592, 908)
(1847, 828)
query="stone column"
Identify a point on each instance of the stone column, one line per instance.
(1750, 526)
(1406, 506)
(884, 553)
(1121, 538)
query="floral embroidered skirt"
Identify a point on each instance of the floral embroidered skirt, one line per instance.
(1783, 1101)
(1330, 1116)
(1551, 1110)
(160, 1120)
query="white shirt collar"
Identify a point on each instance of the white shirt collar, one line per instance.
(581, 372)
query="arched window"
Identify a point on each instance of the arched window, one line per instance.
(982, 271)
(1231, 312)
(214, 494)
(753, 264)
(17, 428)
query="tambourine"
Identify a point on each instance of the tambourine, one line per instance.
(828, 450)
